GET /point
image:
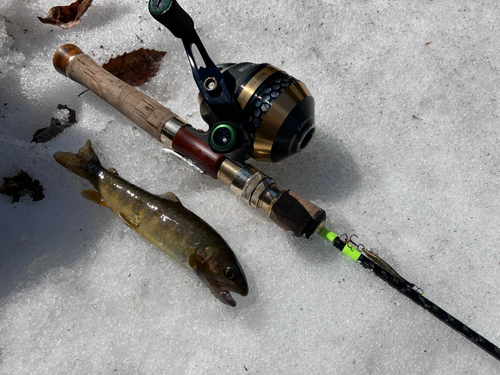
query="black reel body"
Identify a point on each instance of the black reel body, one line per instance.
(252, 110)
(275, 109)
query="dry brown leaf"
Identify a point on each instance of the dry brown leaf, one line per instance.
(22, 184)
(67, 16)
(136, 67)
(57, 125)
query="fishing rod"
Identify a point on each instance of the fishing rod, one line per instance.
(253, 110)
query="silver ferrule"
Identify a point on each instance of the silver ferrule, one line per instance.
(169, 129)
(248, 183)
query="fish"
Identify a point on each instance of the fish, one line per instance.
(163, 221)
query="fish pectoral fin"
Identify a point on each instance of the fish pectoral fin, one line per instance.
(134, 224)
(113, 171)
(94, 196)
(172, 197)
(193, 261)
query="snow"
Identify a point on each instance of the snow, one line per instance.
(405, 155)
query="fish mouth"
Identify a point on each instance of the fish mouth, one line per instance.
(224, 296)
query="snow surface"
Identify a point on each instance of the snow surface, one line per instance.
(406, 156)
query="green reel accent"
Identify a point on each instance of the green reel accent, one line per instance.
(159, 6)
(222, 137)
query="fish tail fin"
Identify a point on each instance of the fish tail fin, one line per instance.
(80, 162)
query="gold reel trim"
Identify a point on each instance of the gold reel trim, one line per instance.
(275, 117)
(249, 89)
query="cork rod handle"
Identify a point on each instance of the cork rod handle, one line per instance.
(147, 113)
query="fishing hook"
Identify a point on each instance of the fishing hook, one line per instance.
(349, 240)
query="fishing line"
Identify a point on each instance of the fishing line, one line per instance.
(416, 203)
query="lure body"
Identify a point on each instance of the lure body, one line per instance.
(163, 221)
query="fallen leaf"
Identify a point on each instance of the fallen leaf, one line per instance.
(22, 184)
(136, 67)
(67, 16)
(46, 134)
(57, 125)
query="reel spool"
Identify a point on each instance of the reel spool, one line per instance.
(252, 110)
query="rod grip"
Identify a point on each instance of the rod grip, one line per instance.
(147, 113)
(295, 213)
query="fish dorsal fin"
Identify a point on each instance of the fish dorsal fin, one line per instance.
(172, 197)
(94, 196)
(113, 171)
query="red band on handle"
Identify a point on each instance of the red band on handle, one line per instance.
(188, 145)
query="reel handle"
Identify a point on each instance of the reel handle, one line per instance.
(227, 136)
(147, 113)
(170, 14)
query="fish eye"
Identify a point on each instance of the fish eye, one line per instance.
(231, 273)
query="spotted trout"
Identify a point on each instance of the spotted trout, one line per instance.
(165, 222)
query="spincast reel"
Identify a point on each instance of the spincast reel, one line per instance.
(252, 110)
